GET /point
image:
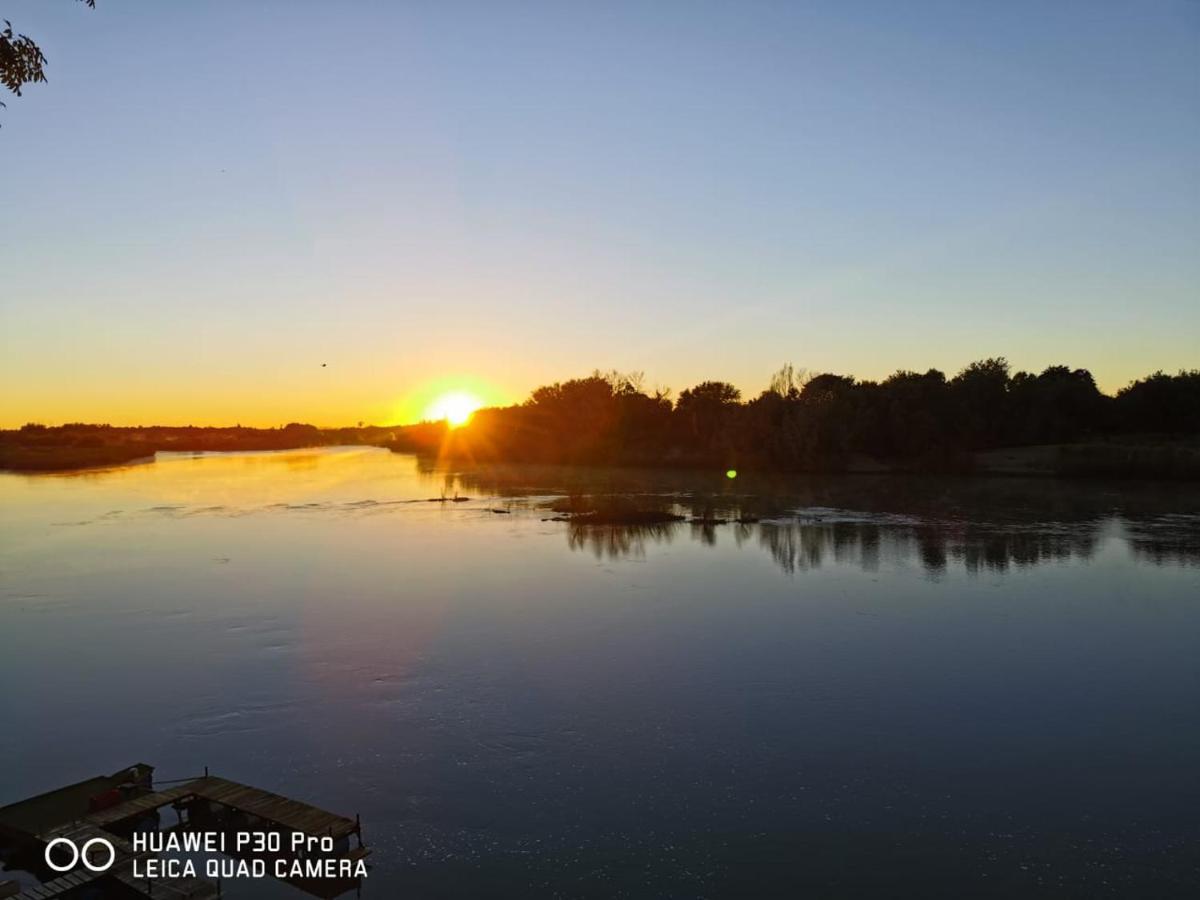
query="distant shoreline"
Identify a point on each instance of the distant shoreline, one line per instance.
(1104, 460)
(78, 447)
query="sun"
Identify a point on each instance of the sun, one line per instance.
(455, 408)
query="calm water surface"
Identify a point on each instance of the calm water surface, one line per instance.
(882, 687)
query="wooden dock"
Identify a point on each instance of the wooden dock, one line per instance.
(290, 814)
(273, 810)
(139, 806)
(280, 811)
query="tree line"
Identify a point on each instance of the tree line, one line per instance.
(912, 420)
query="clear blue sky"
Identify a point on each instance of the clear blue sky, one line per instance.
(209, 199)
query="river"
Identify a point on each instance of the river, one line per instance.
(870, 686)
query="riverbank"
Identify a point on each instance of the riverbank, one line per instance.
(1111, 459)
(19, 458)
(1149, 457)
(96, 446)
(37, 448)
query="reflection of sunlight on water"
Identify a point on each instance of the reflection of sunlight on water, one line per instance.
(229, 482)
(801, 532)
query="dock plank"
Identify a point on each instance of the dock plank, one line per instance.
(273, 808)
(278, 810)
(140, 805)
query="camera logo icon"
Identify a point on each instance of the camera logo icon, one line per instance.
(89, 854)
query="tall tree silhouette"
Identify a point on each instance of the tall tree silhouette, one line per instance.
(705, 412)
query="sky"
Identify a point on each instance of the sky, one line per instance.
(210, 200)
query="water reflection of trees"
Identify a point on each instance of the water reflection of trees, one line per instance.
(1172, 539)
(804, 546)
(618, 541)
(979, 524)
(799, 546)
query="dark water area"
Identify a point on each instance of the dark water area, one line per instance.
(869, 687)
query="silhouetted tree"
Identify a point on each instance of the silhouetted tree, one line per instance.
(825, 388)
(705, 412)
(1058, 405)
(981, 392)
(711, 393)
(1160, 403)
(787, 382)
(917, 417)
(22, 61)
